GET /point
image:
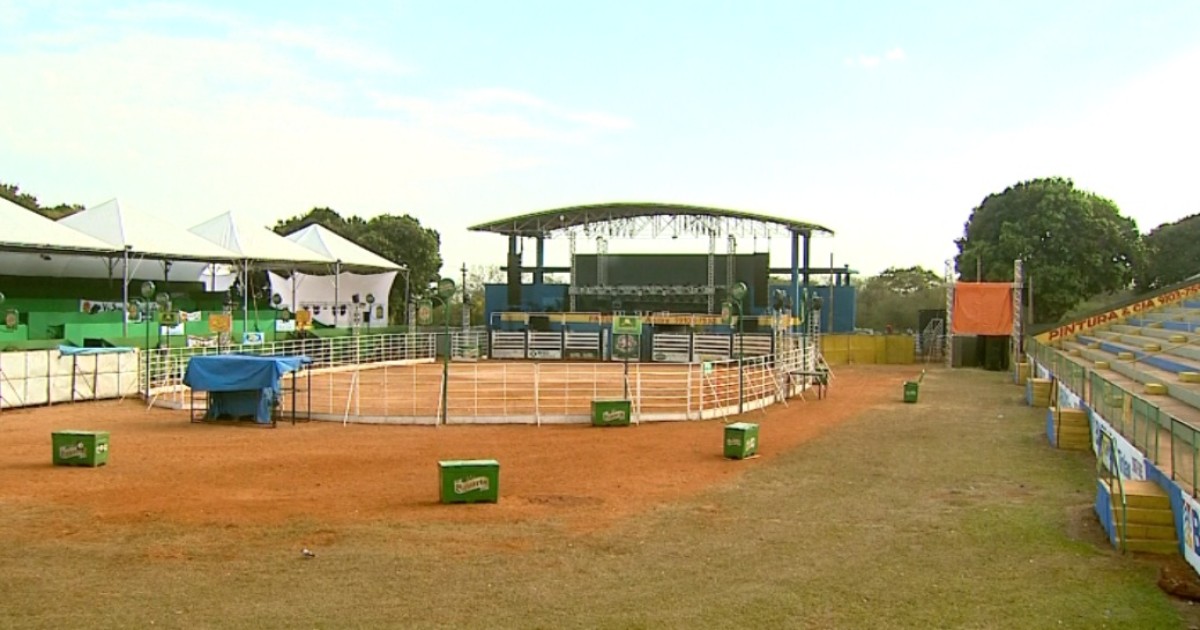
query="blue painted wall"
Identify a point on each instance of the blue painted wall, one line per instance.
(843, 307)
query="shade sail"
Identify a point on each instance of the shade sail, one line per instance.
(256, 242)
(27, 231)
(145, 234)
(334, 246)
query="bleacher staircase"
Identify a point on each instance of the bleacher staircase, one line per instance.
(1146, 522)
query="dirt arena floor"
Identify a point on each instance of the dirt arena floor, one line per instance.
(164, 468)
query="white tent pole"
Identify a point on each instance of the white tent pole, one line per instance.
(293, 290)
(125, 291)
(337, 280)
(245, 295)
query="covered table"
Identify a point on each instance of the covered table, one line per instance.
(241, 385)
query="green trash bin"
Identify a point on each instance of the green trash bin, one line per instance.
(80, 448)
(910, 391)
(470, 480)
(741, 440)
(611, 413)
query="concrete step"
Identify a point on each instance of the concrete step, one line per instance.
(1142, 516)
(1140, 494)
(1138, 531)
(1165, 547)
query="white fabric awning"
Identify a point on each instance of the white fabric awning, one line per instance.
(26, 231)
(145, 234)
(332, 245)
(257, 243)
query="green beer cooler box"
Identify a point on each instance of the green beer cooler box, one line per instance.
(741, 440)
(611, 413)
(80, 448)
(470, 480)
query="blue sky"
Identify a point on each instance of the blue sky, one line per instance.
(887, 122)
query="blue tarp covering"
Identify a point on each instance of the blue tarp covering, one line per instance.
(73, 350)
(240, 385)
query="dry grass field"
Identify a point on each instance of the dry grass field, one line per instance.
(860, 512)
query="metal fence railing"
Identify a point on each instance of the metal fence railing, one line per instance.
(161, 375)
(344, 386)
(1171, 444)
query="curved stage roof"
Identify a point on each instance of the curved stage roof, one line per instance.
(662, 216)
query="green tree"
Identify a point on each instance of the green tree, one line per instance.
(400, 239)
(895, 297)
(1075, 244)
(1172, 254)
(13, 193)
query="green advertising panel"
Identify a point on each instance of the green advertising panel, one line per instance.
(80, 448)
(627, 325)
(470, 481)
(627, 347)
(425, 313)
(611, 413)
(741, 440)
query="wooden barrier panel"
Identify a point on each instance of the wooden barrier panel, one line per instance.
(869, 349)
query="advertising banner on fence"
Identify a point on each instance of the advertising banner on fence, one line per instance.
(1191, 531)
(92, 307)
(1067, 398)
(1131, 463)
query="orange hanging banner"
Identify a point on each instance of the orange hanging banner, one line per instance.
(983, 308)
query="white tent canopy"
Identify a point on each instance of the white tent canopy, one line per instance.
(145, 235)
(257, 243)
(28, 231)
(330, 244)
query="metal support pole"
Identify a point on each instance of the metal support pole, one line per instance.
(446, 364)
(571, 288)
(408, 312)
(807, 250)
(795, 275)
(741, 366)
(539, 276)
(466, 308)
(731, 261)
(337, 280)
(245, 295)
(125, 291)
(712, 272)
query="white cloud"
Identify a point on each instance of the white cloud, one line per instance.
(241, 119)
(870, 62)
